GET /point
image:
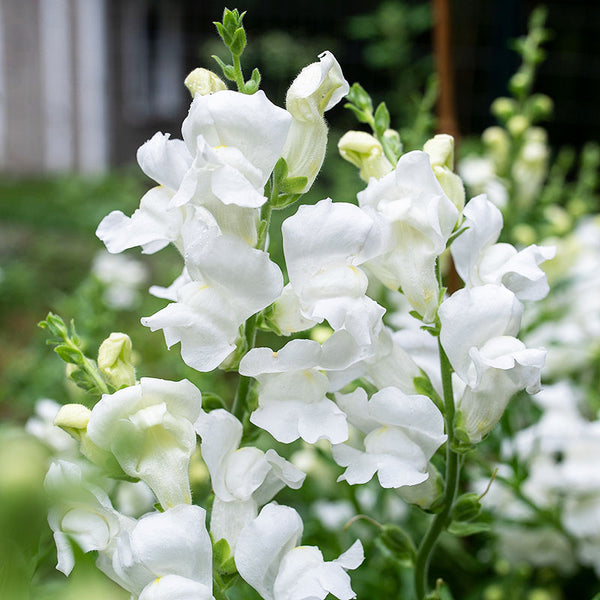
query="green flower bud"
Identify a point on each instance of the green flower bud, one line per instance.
(398, 542)
(541, 106)
(519, 83)
(517, 125)
(365, 152)
(503, 108)
(202, 81)
(466, 508)
(114, 360)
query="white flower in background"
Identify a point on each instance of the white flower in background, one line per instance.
(235, 140)
(479, 175)
(42, 426)
(480, 260)
(229, 283)
(292, 388)
(402, 433)
(318, 87)
(173, 546)
(149, 429)
(268, 557)
(477, 334)
(420, 218)
(364, 151)
(134, 498)
(531, 166)
(323, 245)
(81, 511)
(123, 276)
(243, 479)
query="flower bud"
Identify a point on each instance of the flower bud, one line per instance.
(73, 418)
(114, 360)
(466, 508)
(517, 125)
(365, 152)
(519, 83)
(503, 108)
(440, 149)
(398, 542)
(202, 81)
(541, 106)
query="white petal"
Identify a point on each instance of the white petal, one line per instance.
(263, 543)
(174, 587)
(471, 317)
(164, 160)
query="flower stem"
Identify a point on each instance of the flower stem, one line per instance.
(441, 521)
(240, 402)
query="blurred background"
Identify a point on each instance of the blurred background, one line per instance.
(83, 83)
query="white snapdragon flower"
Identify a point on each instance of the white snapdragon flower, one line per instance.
(229, 283)
(81, 511)
(243, 479)
(292, 389)
(324, 244)
(318, 87)
(235, 140)
(163, 556)
(477, 334)
(479, 175)
(440, 149)
(269, 558)
(149, 429)
(402, 433)
(480, 260)
(41, 425)
(420, 218)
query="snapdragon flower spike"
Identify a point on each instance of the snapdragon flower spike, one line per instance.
(402, 433)
(81, 511)
(323, 246)
(269, 558)
(318, 87)
(149, 428)
(229, 282)
(478, 326)
(235, 140)
(173, 545)
(243, 479)
(292, 401)
(420, 218)
(480, 260)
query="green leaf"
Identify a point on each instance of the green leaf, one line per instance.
(294, 185)
(358, 113)
(382, 120)
(455, 235)
(69, 354)
(223, 33)
(238, 43)
(424, 386)
(280, 171)
(462, 529)
(360, 98)
(212, 401)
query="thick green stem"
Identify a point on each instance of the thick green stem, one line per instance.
(218, 592)
(239, 76)
(441, 521)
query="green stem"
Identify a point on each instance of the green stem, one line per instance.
(239, 76)
(218, 592)
(240, 401)
(441, 520)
